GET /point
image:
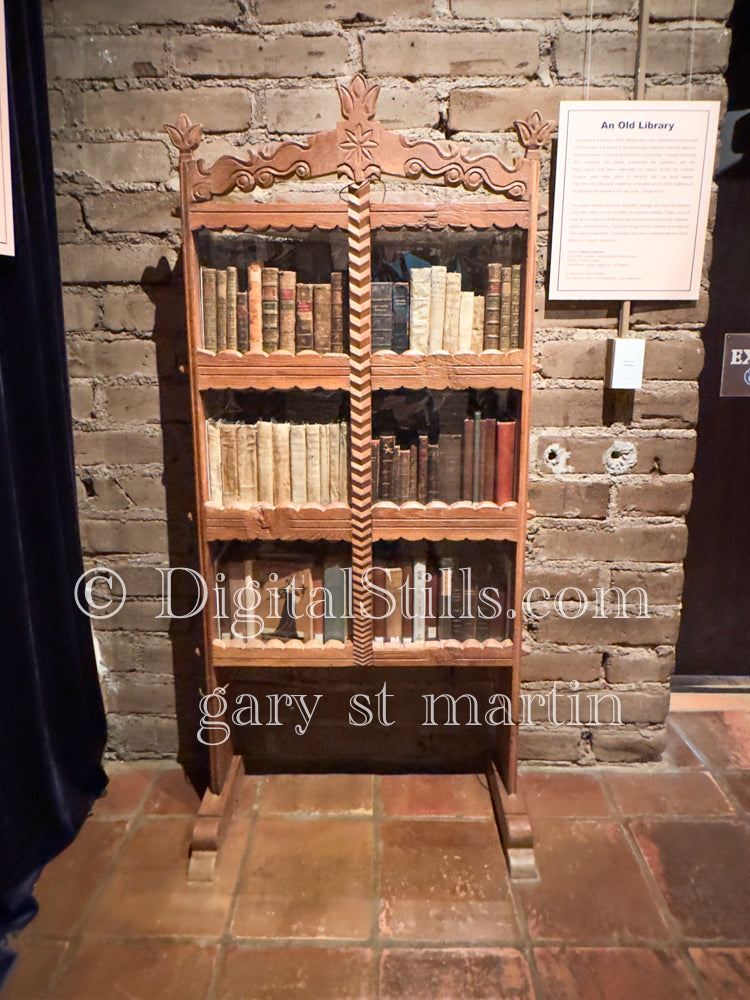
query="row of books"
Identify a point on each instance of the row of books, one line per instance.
(298, 596)
(476, 465)
(274, 463)
(275, 311)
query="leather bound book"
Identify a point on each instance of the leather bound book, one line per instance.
(487, 459)
(243, 324)
(344, 462)
(379, 605)
(375, 470)
(265, 462)
(325, 463)
(506, 461)
(450, 467)
(287, 310)
(445, 610)
(467, 461)
(400, 302)
(247, 462)
(382, 315)
(406, 599)
(411, 493)
(421, 494)
(420, 279)
(313, 463)
(433, 472)
(492, 308)
(452, 312)
(255, 306)
(465, 322)
(322, 332)
(477, 325)
(388, 467)
(213, 454)
(476, 459)
(505, 307)
(221, 310)
(515, 306)
(282, 466)
(404, 463)
(298, 461)
(304, 317)
(270, 302)
(208, 307)
(394, 623)
(337, 312)
(231, 308)
(334, 461)
(335, 624)
(438, 282)
(230, 490)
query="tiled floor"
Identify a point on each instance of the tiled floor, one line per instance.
(342, 887)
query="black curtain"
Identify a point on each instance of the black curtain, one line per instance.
(52, 727)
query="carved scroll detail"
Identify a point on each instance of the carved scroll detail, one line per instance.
(456, 167)
(262, 167)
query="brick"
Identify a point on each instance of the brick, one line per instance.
(465, 53)
(578, 315)
(309, 109)
(68, 213)
(583, 454)
(710, 50)
(124, 536)
(218, 109)
(494, 109)
(146, 492)
(558, 744)
(646, 706)
(555, 578)
(291, 11)
(82, 398)
(141, 696)
(553, 407)
(623, 745)
(106, 57)
(661, 495)
(157, 654)
(714, 10)
(612, 54)
(639, 666)
(96, 12)
(534, 8)
(667, 406)
(633, 543)
(673, 359)
(81, 309)
(103, 494)
(250, 56)
(89, 263)
(135, 616)
(108, 162)
(663, 586)
(561, 665)
(117, 652)
(569, 499)
(631, 631)
(56, 103)
(131, 737)
(573, 358)
(139, 403)
(111, 358)
(675, 314)
(117, 448)
(710, 91)
(128, 309)
(144, 212)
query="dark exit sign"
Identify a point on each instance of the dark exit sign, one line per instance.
(735, 368)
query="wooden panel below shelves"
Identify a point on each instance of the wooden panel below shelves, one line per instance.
(309, 522)
(447, 652)
(279, 370)
(411, 370)
(281, 653)
(454, 522)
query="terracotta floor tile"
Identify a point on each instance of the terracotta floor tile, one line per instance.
(137, 970)
(721, 738)
(247, 794)
(677, 754)
(444, 881)
(37, 962)
(738, 783)
(455, 974)
(296, 974)
(462, 795)
(307, 879)
(592, 890)
(703, 869)
(613, 974)
(68, 882)
(672, 793)
(317, 793)
(171, 795)
(562, 792)
(725, 972)
(125, 791)
(149, 893)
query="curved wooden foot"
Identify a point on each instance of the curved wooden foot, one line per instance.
(210, 825)
(514, 827)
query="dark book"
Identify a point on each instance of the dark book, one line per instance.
(505, 307)
(492, 307)
(270, 304)
(411, 493)
(450, 467)
(287, 310)
(433, 469)
(506, 461)
(422, 469)
(406, 599)
(335, 581)
(487, 462)
(515, 305)
(400, 337)
(476, 482)
(243, 323)
(445, 598)
(208, 307)
(221, 310)
(382, 315)
(322, 332)
(375, 470)
(387, 467)
(337, 312)
(402, 487)
(304, 337)
(467, 461)
(232, 308)
(464, 624)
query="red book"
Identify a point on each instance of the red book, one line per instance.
(506, 461)
(487, 460)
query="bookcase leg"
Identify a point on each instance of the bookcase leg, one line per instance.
(210, 826)
(514, 827)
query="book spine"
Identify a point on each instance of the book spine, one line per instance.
(208, 307)
(404, 461)
(411, 493)
(422, 468)
(282, 467)
(506, 461)
(387, 470)
(452, 312)
(221, 310)
(505, 307)
(382, 315)
(312, 432)
(334, 462)
(492, 308)
(243, 324)
(375, 470)
(213, 454)
(394, 622)
(231, 308)
(337, 312)
(477, 325)
(298, 460)
(476, 453)
(406, 599)
(467, 461)
(419, 570)
(515, 306)
(247, 466)
(487, 460)
(270, 294)
(255, 306)
(334, 623)
(432, 597)
(438, 282)
(287, 310)
(419, 309)
(445, 601)
(304, 317)
(400, 301)
(449, 465)
(465, 322)
(344, 462)
(315, 610)
(265, 461)
(433, 473)
(230, 492)
(379, 606)
(322, 320)
(325, 463)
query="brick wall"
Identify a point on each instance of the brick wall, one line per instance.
(611, 497)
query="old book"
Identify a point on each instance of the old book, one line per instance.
(400, 300)
(452, 312)
(265, 461)
(449, 467)
(375, 469)
(382, 315)
(282, 467)
(287, 310)
(433, 472)
(420, 280)
(387, 467)
(505, 307)
(304, 335)
(465, 595)
(221, 310)
(335, 581)
(421, 494)
(404, 461)
(492, 308)
(411, 493)
(322, 329)
(334, 462)
(432, 598)
(213, 454)
(284, 586)
(465, 322)
(270, 302)
(477, 325)
(298, 459)
(438, 282)
(467, 461)
(208, 307)
(312, 432)
(325, 463)
(379, 603)
(445, 598)
(506, 461)
(247, 462)
(487, 463)
(234, 570)
(337, 312)
(515, 306)
(232, 308)
(255, 306)
(394, 622)
(406, 600)
(316, 607)
(419, 586)
(476, 458)
(230, 490)
(344, 462)
(243, 323)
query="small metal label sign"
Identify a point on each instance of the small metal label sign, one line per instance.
(735, 368)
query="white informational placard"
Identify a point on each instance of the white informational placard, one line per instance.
(632, 189)
(7, 247)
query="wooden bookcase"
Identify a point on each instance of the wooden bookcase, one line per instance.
(494, 199)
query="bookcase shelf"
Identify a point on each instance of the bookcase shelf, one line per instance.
(426, 302)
